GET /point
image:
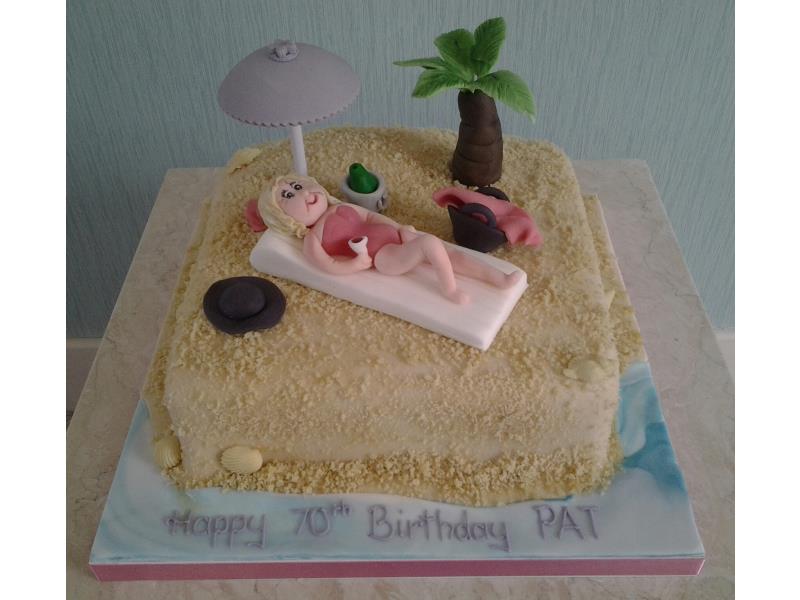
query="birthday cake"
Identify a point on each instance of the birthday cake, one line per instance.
(375, 344)
(340, 398)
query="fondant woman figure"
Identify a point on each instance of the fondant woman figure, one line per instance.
(344, 238)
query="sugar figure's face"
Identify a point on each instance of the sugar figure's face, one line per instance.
(304, 200)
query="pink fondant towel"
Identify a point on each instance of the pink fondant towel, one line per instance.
(518, 225)
(252, 216)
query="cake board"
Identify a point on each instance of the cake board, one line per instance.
(641, 525)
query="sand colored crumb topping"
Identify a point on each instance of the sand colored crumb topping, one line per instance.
(496, 482)
(410, 412)
(153, 391)
(623, 320)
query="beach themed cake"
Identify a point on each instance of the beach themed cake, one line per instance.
(337, 397)
(401, 311)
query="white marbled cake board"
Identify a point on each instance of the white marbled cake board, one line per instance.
(641, 525)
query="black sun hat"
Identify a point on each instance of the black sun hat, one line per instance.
(241, 304)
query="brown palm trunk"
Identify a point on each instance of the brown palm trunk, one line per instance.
(478, 158)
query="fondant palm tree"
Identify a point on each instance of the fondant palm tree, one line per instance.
(464, 63)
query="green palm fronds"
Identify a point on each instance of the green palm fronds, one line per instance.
(465, 61)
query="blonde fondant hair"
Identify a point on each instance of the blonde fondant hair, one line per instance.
(273, 215)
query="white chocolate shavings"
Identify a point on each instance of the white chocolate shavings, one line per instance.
(627, 337)
(587, 369)
(341, 398)
(609, 298)
(242, 158)
(499, 481)
(153, 391)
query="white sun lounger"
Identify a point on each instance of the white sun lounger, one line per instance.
(413, 297)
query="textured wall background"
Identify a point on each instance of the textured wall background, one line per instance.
(612, 79)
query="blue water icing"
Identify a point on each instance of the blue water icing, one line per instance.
(657, 458)
(643, 433)
(562, 499)
(132, 528)
(638, 406)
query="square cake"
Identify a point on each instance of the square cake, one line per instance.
(337, 398)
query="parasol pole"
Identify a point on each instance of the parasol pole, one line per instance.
(288, 85)
(298, 150)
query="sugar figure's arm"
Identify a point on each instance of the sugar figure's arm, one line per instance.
(315, 253)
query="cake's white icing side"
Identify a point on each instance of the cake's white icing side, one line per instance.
(340, 398)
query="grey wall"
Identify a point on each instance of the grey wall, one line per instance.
(613, 79)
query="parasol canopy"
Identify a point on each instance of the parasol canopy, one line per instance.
(288, 84)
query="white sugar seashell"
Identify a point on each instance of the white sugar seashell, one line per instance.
(242, 158)
(585, 369)
(167, 452)
(241, 460)
(609, 297)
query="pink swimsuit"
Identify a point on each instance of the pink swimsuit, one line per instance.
(346, 224)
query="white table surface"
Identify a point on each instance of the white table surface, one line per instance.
(695, 387)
